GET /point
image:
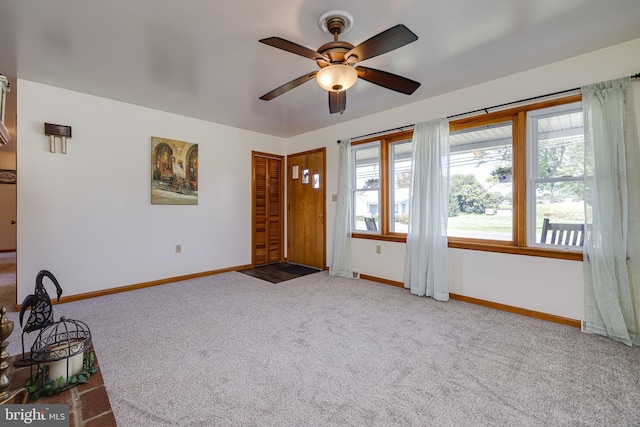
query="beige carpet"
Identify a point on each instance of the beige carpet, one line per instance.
(8, 280)
(228, 350)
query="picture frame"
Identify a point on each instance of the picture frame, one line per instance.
(174, 172)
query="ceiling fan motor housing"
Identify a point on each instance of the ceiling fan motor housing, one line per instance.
(335, 22)
(335, 51)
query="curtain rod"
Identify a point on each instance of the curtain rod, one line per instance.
(486, 110)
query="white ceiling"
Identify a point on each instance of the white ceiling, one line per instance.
(202, 58)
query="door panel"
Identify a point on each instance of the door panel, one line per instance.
(268, 208)
(306, 208)
(7, 216)
(275, 212)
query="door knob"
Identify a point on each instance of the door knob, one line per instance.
(12, 222)
(320, 216)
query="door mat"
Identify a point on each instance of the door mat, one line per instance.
(299, 270)
(279, 272)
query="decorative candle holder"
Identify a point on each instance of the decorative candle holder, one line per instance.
(17, 396)
(6, 328)
(63, 358)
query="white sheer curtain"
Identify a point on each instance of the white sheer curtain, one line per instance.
(341, 262)
(612, 206)
(426, 261)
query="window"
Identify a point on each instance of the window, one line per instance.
(510, 172)
(382, 173)
(512, 169)
(399, 186)
(481, 182)
(366, 192)
(556, 165)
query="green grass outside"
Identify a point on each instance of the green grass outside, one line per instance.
(479, 222)
(572, 212)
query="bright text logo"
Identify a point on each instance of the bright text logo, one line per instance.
(36, 415)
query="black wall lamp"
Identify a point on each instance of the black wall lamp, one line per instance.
(4, 88)
(54, 131)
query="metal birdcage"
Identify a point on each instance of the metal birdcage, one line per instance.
(62, 356)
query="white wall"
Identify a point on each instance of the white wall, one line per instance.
(542, 284)
(86, 216)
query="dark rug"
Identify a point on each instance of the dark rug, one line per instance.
(299, 270)
(279, 272)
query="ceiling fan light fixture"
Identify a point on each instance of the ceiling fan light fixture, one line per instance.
(336, 78)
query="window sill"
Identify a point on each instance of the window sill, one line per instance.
(518, 250)
(485, 246)
(400, 238)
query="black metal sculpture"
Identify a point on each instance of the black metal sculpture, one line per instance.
(41, 314)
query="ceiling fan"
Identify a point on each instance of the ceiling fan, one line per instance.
(337, 60)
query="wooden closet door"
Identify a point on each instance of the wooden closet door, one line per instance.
(268, 208)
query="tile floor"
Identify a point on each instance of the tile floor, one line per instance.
(89, 404)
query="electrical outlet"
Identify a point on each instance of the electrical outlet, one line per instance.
(178, 249)
(378, 249)
(334, 197)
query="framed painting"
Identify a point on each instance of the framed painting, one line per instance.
(174, 172)
(7, 176)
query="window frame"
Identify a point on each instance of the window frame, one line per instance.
(355, 189)
(386, 180)
(532, 165)
(518, 116)
(497, 121)
(393, 195)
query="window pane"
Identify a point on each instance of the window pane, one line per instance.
(557, 141)
(480, 183)
(560, 202)
(560, 143)
(401, 174)
(366, 200)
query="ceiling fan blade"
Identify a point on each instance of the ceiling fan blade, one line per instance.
(292, 47)
(388, 80)
(337, 102)
(384, 42)
(288, 86)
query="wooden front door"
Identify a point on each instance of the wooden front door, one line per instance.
(268, 208)
(306, 208)
(8, 217)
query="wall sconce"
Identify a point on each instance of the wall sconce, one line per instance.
(4, 88)
(53, 131)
